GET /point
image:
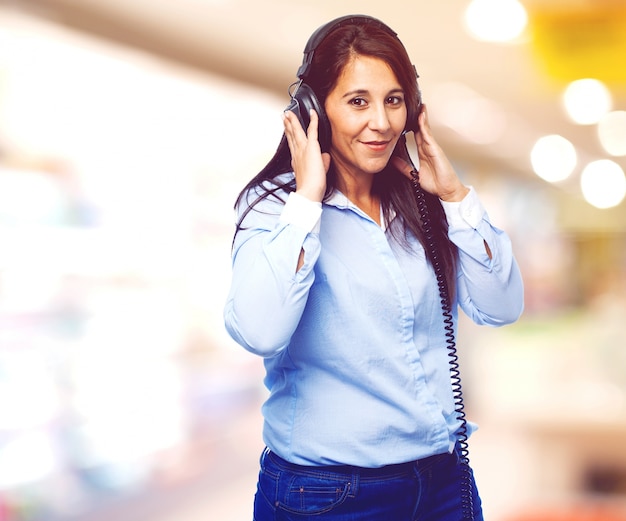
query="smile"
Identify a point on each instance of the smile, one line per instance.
(377, 146)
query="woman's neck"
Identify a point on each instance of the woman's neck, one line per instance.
(358, 189)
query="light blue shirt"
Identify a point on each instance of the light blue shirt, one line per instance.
(355, 353)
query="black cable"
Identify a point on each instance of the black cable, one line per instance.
(446, 307)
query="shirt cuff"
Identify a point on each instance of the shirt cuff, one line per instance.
(301, 212)
(466, 213)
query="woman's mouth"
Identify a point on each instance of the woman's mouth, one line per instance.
(376, 146)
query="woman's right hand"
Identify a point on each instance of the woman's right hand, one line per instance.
(309, 164)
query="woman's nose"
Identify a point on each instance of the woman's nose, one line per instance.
(379, 119)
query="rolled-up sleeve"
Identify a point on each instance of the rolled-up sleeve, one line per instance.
(268, 293)
(489, 282)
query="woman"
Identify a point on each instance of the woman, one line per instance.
(348, 268)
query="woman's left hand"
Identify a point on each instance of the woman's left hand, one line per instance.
(436, 174)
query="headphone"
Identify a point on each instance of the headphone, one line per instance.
(303, 99)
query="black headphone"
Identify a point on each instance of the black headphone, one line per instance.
(303, 99)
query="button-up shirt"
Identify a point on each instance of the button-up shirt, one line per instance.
(353, 342)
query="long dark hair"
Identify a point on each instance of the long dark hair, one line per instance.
(395, 190)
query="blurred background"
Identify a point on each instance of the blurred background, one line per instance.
(127, 128)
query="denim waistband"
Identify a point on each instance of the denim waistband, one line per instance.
(398, 469)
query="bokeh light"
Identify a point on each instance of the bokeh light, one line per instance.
(553, 158)
(603, 183)
(587, 101)
(612, 132)
(495, 20)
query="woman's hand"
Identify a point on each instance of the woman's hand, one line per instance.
(436, 174)
(309, 164)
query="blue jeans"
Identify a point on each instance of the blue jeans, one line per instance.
(425, 490)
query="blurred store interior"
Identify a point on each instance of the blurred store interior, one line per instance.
(127, 127)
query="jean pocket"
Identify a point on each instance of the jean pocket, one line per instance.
(312, 493)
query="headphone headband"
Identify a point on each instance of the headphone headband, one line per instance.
(323, 31)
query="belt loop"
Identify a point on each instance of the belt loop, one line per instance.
(264, 455)
(354, 483)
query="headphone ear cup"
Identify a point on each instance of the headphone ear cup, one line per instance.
(302, 101)
(411, 117)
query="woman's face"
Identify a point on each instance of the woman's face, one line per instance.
(367, 114)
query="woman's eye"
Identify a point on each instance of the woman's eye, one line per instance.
(359, 102)
(395, 100)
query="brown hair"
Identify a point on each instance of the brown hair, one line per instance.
(396, 192)
(340, 46)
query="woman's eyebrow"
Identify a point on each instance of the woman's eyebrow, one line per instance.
(361, 92)
(356, 92)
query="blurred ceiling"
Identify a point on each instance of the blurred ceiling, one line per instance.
(261, 42)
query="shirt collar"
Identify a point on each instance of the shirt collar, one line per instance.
(339, 200)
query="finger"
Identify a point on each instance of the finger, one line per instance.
(313, 125)
(293, 131)
(423, 121)
(290, 120)
(423, 115)
(301, 135)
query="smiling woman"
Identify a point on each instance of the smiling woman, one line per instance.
(348, 269)
(368, 115)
